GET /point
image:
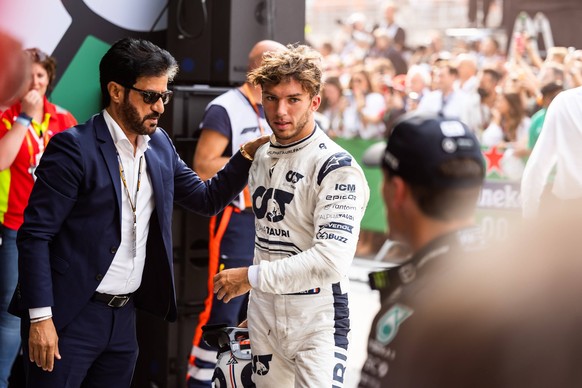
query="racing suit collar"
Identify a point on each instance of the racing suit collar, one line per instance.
(469, 238)
(288, 150)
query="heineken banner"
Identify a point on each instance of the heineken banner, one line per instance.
(499, 205)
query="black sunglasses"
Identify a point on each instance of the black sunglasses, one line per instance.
(151, 98)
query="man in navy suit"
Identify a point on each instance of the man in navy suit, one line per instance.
(96, 240)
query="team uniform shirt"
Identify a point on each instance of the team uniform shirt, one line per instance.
(402, 289)
(308, 198)
(231, 114)
(231, 111)
(16, 181)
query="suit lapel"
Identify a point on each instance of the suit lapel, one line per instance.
(109, 155)
(155, 174)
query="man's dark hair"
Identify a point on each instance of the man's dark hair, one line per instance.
(493, 73)
(129, 59)
(447, 204)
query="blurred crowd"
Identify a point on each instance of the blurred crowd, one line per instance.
(373, 76)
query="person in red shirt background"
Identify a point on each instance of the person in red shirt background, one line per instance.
(25, 129)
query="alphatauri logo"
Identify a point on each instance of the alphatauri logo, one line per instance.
(270, 203)
(261, 364)
(293, 176)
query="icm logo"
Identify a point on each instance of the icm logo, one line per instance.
(270, 203)
(261, 364)
(345, 187)
(293, 176)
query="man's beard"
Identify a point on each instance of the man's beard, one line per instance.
(483, 93)
(303, 121)
(133, 122)
(299, 126)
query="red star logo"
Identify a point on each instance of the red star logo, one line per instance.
(493, 157)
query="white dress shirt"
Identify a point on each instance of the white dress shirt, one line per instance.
(374, 106)
(493, 134)
(558, 145)
(452, 106)
(125, 272)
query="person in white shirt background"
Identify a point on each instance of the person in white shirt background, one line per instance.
(557, 147)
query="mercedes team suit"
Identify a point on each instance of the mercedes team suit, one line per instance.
(308, 198)
(393, 329)
(231, 232)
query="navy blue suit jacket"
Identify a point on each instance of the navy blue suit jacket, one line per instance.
(72, 225)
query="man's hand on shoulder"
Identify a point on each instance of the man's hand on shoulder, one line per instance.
(43, 344)
(251, 146)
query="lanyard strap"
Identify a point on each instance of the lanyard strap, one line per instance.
(247, 93)
(41, 129)
(31, 154)
(133, 203)
(41, 134)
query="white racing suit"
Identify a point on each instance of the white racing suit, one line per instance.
(308, 199)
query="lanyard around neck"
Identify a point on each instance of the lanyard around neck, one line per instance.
(41, 134)
(133, 203)
(247, 93)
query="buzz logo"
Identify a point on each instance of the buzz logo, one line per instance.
(388, 324)
(261, 364)
(293, 176)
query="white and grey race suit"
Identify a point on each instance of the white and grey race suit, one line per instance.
(309, 199)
